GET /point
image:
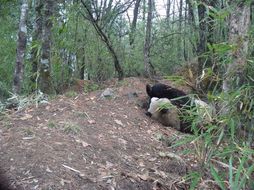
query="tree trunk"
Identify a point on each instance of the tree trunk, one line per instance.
(134, 22)
(239, 23)
(82, 67)
(168, 11)
(180, 40)
(193, 22)
(202, 43)
(184, 39)
(173, 13)
(211, 23)
(46, 85)
(144, 10)
(190, 10)
(35, 56)
(180, 15)
(252, 12)
(106, 40)
(149, 69)
(21, 48)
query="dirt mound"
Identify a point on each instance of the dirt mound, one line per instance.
(90, 142)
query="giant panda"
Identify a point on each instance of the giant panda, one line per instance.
(162, 110)
(195, 109)
(160, 90)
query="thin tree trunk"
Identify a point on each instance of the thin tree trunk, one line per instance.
(180, 44)
(180, 15)
(190, 10)
(173, 13)
(202, 42)
(106, 40)
(144, 10)
(46, 84)
(35, 56)
(134, 22)
(82, 66)
(168, 11)
(239, 23)
(21, 48)
(193, 22)
(149, 69)
(211, 22)
(252, 12)
(184, 39)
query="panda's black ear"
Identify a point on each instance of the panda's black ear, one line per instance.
(149, 90)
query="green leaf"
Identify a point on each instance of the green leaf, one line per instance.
(249, 172)
(194, 177)
(231, 125)
(185, 140)
(217, 178)
(231, 172)
(221, 136)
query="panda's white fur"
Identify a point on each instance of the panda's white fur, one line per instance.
(162, 110)
(204, 111)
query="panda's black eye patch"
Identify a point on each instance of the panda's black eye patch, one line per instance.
(148, 114)
(164, 110)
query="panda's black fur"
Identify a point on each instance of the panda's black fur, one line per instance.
(160, 90)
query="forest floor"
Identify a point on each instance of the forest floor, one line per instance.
(92, 143)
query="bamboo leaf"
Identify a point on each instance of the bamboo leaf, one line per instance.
(217, 178)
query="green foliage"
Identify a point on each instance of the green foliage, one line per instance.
(81, 114)
(71, 94)
(221, 48)
(239, 111)
(238, 179)
(8, 32)
(166, 105)
(218, 178)
(28, 132)
(220, 149)
(71, 128)
(4, 120)
(178, 80)
(194, 177)
(4, 90)
(52, 124)
(239, 171)
(91, 87)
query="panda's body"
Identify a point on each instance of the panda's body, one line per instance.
(160, 90)
(162, 110)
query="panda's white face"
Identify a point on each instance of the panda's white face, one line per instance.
(162, 110)
(157, 104)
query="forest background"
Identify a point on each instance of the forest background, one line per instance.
(47, 46)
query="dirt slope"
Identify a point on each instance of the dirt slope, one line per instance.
(91, 143)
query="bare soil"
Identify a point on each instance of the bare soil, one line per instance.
(91, 143)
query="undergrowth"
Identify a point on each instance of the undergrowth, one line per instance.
(224, 150)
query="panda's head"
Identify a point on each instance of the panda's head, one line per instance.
(158, 106)
(162, 110)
